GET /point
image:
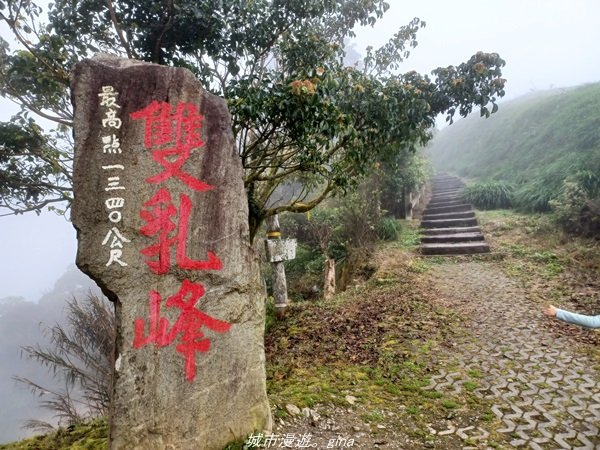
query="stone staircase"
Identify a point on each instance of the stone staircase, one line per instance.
(449, 225)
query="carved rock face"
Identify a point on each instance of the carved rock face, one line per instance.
(162, 226)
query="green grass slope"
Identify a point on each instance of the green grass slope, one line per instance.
(533, 142)
(85, 436)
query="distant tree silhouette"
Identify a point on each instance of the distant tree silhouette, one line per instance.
(81, 357)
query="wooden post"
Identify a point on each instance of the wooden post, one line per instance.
(278, 270)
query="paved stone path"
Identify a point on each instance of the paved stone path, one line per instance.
(545, 393)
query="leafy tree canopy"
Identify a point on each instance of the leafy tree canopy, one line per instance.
(300, 115)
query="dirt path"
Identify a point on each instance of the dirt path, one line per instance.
(544, 391)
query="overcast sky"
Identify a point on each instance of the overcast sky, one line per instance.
(546, 44)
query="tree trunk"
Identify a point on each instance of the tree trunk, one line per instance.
(329, 278)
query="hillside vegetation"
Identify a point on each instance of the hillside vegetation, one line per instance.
(535, 143)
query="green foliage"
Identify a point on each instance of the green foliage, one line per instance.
(449, 404)
(589, 182)
(388, 229)
(320, 232)
(304, 272)
(32, 168)
(489, 195)
(298, 114)
(534, 143)
(83, 436)
(481, 73)
(345, 229)
(401, 174)
(270, 314)
(577, 208)
(361, 212)
(410, 238)
(535, 196)
(375, 416)
(533, 247)
(324, 232)
(308, 261)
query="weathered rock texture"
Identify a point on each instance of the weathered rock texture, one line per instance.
(164, 397)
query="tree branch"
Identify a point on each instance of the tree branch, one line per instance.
(113, 17)
(62, 76)
(156, 56)
(40, 112)
(27, 209)
(301, 207)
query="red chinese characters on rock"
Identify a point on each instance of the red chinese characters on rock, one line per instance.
(157, 215)
(189, 325)
(171, 135)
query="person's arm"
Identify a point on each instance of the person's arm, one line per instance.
(578, 319)
(574, 318)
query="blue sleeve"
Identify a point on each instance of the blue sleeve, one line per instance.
(578, 319)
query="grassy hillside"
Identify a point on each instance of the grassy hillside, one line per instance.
(534, 143)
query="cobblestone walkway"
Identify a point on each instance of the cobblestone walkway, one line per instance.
(545, 393)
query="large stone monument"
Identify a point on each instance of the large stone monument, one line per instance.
(162, 225)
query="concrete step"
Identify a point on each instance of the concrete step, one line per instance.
(447, 185)
(464, 248)
(445, 223)
(446, 191)
(452, 182)
(451, 230)
(446, 201)
(450, 215)
(445, 179)
(457, 194)
(444, 195)
(449, 225)
(451, 208)
(455, 237)
(446, 188)
(435, 190)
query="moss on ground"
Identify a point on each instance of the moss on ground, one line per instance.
(86, 436)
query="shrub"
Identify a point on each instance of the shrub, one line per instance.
(388, 229)
(489, 195)
(303, 273)
(81, 355)
(535, 196)
(577, 207)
